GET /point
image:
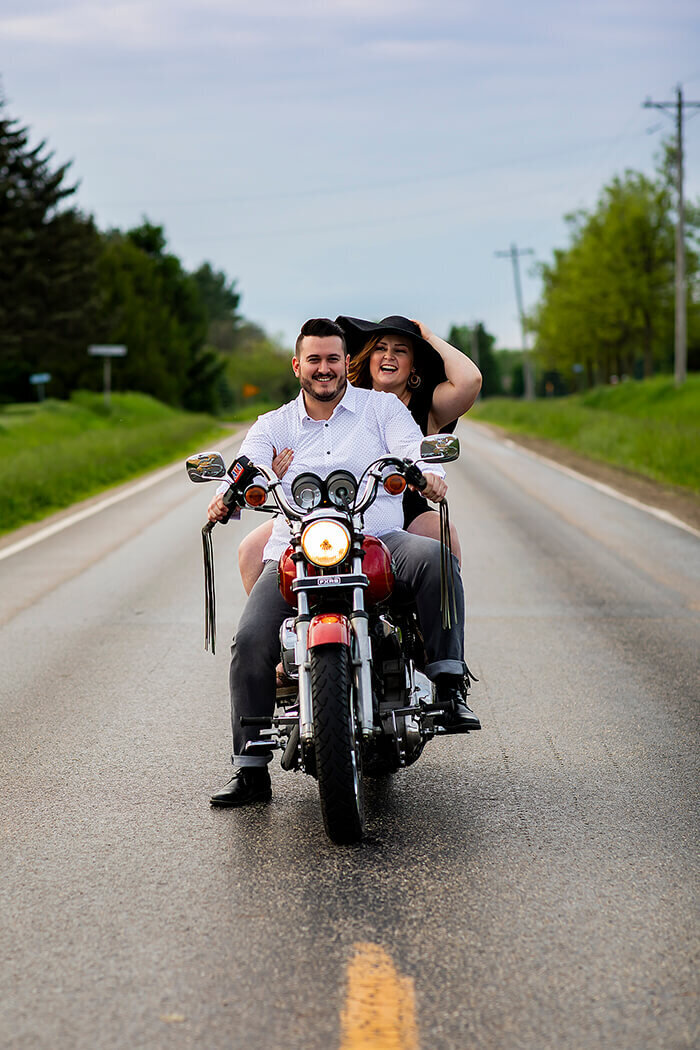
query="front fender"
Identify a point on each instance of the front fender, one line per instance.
(329, 629)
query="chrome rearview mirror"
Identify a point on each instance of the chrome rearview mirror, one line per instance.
(206, 466)
(439, 448)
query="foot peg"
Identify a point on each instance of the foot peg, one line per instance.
(269, 741)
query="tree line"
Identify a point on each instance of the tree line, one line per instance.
(606, 308)
(65, 285)
(607, 303)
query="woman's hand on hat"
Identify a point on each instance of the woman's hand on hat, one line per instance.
(282, 462)
(424, 330)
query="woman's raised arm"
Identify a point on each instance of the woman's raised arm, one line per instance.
(458, 393)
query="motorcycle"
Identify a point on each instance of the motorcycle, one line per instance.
(358, 703)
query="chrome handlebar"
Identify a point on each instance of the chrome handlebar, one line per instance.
(369, 494)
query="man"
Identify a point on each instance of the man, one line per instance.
(331, 426)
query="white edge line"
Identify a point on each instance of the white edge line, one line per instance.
(109, 501)
(608, 490)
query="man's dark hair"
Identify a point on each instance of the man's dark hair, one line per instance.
(323, 327)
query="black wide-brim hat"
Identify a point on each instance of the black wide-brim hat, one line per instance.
(427, 360)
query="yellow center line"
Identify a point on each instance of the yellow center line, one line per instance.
(380, 1010)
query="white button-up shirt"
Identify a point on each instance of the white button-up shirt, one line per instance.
(365, 425)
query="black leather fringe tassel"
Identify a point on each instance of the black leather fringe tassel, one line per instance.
(448, 600)
(209, 590)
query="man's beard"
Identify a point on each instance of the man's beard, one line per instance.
(329, 393)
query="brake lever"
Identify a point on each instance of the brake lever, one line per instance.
(414, 475)
(230, 499)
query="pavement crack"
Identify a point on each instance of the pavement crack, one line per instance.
(517, 799)
(574, 794)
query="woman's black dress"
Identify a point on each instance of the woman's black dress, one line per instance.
(419, 406)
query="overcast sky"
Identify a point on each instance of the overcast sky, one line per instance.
(364, 157)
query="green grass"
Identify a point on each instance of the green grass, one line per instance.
(57, 452)
(251, 411)
(647, 427)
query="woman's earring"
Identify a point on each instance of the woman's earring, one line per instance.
(414, 380)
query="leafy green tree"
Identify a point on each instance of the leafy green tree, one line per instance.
(260, 371)
(462, 336)
(510, 368)
(607, 300)
(64, 285)
(48, 268)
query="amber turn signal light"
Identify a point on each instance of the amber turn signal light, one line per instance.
(395, 484)
(255, 495)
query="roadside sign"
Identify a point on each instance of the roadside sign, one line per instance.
(39, 380)
(107, 351)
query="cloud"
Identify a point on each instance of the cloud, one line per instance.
(419, 50)
(157, 23)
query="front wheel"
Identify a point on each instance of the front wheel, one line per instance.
(337, 743)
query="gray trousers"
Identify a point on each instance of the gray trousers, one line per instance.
(255, 651)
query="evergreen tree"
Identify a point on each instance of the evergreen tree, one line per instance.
(218, 294)
(221, 301)
(154, 307)
(48, 260)
(462, 336)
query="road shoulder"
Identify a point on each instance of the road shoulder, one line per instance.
(111, 494)
(682, 503)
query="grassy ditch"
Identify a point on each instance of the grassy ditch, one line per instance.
(647, 427)
(57, 452)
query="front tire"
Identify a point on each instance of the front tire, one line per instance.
(337, 743)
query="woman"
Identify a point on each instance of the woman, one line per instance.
(438, 384)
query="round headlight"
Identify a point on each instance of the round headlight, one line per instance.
(325, 542)
(341, 488)
(307, 491)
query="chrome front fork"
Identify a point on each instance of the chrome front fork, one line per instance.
(363, 656)
(362, 659)
(301, 655)
(363, 674)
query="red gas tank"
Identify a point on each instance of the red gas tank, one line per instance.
(376, 565)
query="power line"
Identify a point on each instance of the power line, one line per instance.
(389, 183)
(680, 335)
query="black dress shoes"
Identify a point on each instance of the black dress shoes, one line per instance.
(458, 717)
(248, 784)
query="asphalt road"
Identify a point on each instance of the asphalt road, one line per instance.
(532, 886)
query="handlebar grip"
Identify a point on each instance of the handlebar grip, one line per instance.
(414, 476)
(230, 498)
(241, 472)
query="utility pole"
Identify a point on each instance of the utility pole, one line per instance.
(528, 375)
(681, 341)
